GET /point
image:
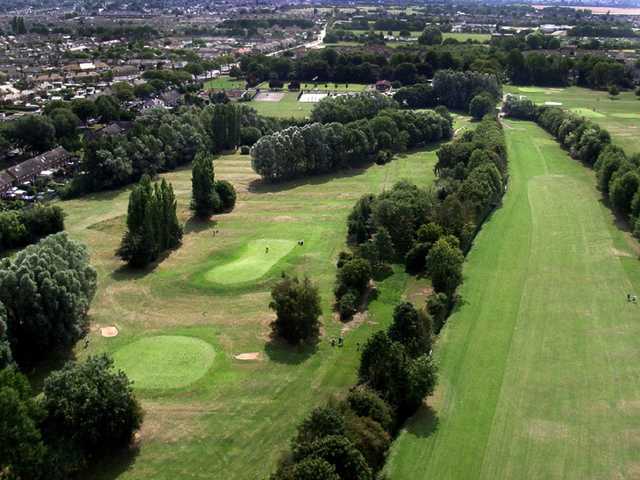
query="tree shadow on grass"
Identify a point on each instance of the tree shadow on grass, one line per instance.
(263, 186)
(112, 464)
(424, 423)
(126, 272)
(197, 225)
(280, 351)
(38, 372)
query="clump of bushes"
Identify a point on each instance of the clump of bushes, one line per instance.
(21, 227)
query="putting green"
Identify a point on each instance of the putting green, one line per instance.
(165, 361)
(532, 89)
(252, 261)
(588, 113)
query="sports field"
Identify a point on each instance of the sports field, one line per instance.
(224, 82)
(289, 106)
(620, 116)
(539, 366)
(182, 324)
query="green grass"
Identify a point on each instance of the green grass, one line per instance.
(224, 82)
(165, 361)
(285, 108)
(254, 260)
(239, 416)
(463, 37)
(619, 116)
(538, 366)
(585, 112)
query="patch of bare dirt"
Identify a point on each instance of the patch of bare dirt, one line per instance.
(547, 430)
(284, 218)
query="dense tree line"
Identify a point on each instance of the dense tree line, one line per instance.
(602, 29)
(349, 108)
(152, 223)
(430, 229)
(319, 148)
(23, 226)
(36, 134)
(362, 66)
(349, 438)
(159, 141)
(527, 58)
(456, 89)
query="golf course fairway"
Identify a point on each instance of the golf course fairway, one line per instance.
(165, 361)
(252, 262)
(539, 365)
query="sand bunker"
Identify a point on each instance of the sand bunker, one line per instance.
(248, 356)
(108, 331)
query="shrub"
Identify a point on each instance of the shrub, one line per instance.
(438, 308)
(369, 438)
(91, 405)
(321, 422)
(297, 307)
(249, 136)
(367, 403)
(339, 452)
(227, 194)
(348, 305)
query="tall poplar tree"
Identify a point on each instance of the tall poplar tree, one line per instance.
(152, 223)
(205, 200)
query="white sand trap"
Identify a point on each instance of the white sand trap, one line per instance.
(553, 104)
(108, 331)
(248, 356)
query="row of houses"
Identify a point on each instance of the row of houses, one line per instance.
(29, 170)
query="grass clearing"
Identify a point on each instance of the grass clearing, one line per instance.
(585, 112)
(240, 415)
(619, 116)
(287, 107)
(165, 361)
(537, 366)
(224, 82)
(254, 260)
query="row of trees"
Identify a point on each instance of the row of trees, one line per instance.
(363, 66)
(346, 109)
(514, 58)
(159, 141)
(430, 229)
(457, 89)
(349, 438)
(318, 148)
(23, 226)
(59, 125)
